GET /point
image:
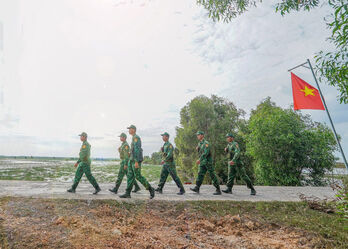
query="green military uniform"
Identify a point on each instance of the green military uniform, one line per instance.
(169, 167)
(136, 155)
(84, 166)
(206, 164)
(124, 156)
(233, 154)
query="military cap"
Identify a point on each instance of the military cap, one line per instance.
(229, 135)
(123, 135)
(83, 134)
(132, 127)
(200, 133)
(165, 134)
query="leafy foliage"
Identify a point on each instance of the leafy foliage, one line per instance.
(284, 143)
(226, 10)
(215, 116)
(155, 159)
(333, 66)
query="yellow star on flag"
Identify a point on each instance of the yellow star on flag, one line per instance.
(308, 91)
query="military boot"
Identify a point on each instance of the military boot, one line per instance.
(195, 189)
(253, 191)
(71, 190)
(113, 190)
(217, 191)
(125, 195)
(136, 189)
(152, 192)
(182, 191)
(159, 190)
(227, 191)
(97, 190)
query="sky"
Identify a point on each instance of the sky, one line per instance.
(100, 65)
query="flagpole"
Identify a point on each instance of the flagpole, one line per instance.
(328, 114)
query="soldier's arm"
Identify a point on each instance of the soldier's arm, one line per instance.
(236, 152)
(169, 152)
(137, 150)
(84, 153)
(126, 152)
(205, 154)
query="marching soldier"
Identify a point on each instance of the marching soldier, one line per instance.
(124, 156)
(84, 166)
(134, 165)
(205, 163)
(235, 165)
(168, 165)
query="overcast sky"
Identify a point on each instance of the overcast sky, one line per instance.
(101, 65)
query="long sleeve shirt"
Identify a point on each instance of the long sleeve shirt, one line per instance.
(85, 153)
(136, 150)
(168, 153)
(124, 151)
(233, 151)
(204, 152)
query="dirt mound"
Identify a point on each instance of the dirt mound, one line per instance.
(31, 223)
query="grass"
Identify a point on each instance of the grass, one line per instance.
(64, 171)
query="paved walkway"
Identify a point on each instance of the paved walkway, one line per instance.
(84, 191)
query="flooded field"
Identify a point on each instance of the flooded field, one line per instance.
(64, 170)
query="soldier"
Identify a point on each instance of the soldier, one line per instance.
(205, 163)
(124, 156)
(168, 166)
(235, 165)
(134, 165)
(84, 166)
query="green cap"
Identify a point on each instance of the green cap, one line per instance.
(123, 135)
(165, 134)
(200, 133)
(83, 134)
(229, 135)
(132, 127)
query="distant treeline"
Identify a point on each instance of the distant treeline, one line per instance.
(54, 158)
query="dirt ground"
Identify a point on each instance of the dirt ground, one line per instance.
(39, 223)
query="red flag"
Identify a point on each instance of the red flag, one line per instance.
(305, 95)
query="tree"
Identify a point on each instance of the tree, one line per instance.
(331, 66)
(284, 144)
(156, 158)
(215, 116)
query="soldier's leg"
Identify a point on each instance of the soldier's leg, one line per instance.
(136, 187)
(121, 173)
(174, 175)
(143, 181)
(163, 178)
(90, 177)
(231, 176)
(200, 177)
(246, 178)
(211, 170)
(78, 175)
(141, 178)
(130, 177)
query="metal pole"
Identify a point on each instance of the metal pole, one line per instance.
(301, 65)
(328, 114)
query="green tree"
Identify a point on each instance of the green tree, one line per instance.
(332, 66)
(156, 158)
(285, 143)
(215, 116)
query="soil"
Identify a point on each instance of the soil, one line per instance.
(49, 223)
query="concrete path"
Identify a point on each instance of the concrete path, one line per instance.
(84, 191)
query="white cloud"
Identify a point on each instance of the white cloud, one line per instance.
(99, 66)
